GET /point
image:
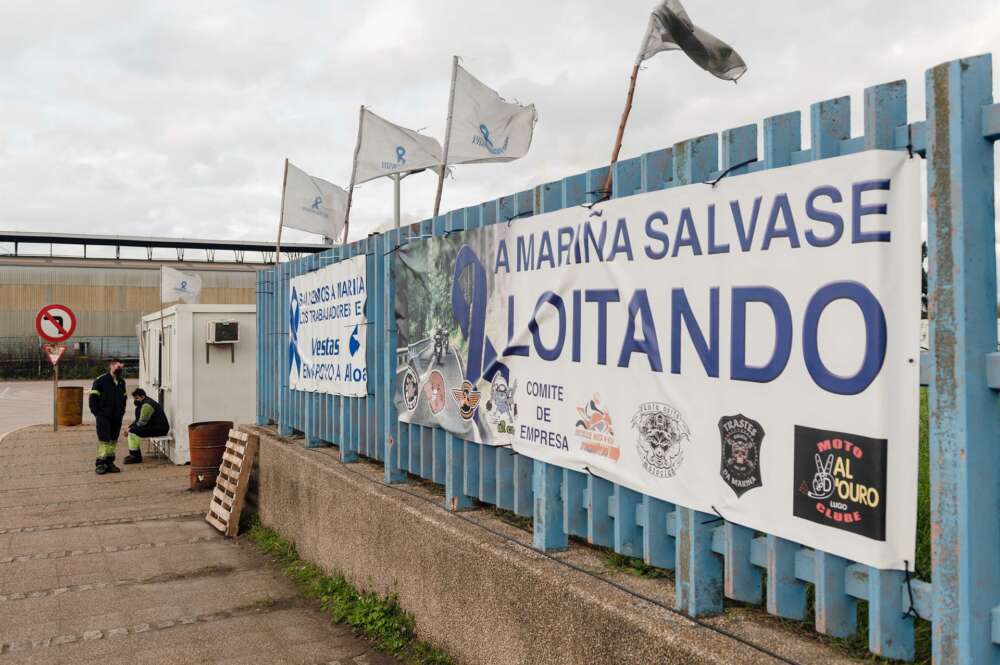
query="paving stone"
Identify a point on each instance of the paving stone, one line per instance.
(145, 580)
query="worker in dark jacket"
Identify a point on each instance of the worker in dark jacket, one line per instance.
(150, 420)
(107, 403)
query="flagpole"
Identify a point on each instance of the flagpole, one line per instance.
(281, 216)
(354, 170)
(447, 135)
(395, 186)
(159, 356)
(606, 190)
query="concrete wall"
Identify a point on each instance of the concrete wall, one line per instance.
(482, 598)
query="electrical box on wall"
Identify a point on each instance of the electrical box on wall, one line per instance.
(223, 332)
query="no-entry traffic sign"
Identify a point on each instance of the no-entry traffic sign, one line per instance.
(55, 323)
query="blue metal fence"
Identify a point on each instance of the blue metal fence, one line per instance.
(714, 559)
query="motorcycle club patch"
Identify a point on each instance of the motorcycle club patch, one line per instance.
(410, 389)
(840, 480)
(661, 431)
(467, 398)
(742, 438)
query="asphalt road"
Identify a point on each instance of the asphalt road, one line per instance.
(30, 403)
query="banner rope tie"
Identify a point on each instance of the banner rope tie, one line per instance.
(912, 610)
(722, 175)
(403, 244)
(605, 196)
(527, 213)
(720, 518)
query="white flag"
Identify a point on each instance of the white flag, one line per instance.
(313, 204)
(484, 127)
(176, 285)
(386, 149)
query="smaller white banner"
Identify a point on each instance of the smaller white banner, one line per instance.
(387, 149)
(313, 204)
(177, 285)
(484, 127)
(327, 330)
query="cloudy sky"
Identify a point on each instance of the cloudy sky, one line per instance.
(173, 119)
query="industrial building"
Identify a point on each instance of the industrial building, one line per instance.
(108, 292)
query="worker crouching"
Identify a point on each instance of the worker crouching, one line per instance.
(150, 421)
(107, 403)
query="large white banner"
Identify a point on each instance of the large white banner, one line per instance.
(327, 330)
(748, 349)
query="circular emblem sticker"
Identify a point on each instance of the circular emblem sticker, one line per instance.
(660, 430)
(410, 389)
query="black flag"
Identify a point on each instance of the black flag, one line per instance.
(671, 29)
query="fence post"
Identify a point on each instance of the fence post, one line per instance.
(964, 452)
(548, 529)
(742, 578)
(699, 574)
(455, 497)
(394, 432)
(786, 594)
(890, 628)
(284, 407)
(262, 342)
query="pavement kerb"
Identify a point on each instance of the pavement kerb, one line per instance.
(4, 435)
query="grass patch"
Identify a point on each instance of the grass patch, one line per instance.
(632, 565)
(512, 518)
(922, 565)
(379, 619)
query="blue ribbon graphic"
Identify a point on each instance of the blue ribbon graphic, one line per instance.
(482, 355)
(294, 357)
(353, 344)
(317, 202)
(485, 131)
(400, 154)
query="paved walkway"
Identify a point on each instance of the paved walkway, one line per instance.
(30, 402)
(123, 569)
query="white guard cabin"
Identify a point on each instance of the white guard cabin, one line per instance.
(209, 369)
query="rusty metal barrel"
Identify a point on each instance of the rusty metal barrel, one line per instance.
(69, 405)
(207, 443)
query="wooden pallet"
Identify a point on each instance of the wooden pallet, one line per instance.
(231, 485)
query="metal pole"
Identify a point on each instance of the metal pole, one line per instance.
(621, 130)
(395, 187)
(159, 356)
(447, 136)
(281, 215)
(354, 171)
(55, 397)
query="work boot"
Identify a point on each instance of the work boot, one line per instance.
(99, 467)
(109, 465)
(134, 457)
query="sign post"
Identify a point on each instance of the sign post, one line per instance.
(55, 324)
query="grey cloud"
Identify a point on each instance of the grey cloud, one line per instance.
(174, 118)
